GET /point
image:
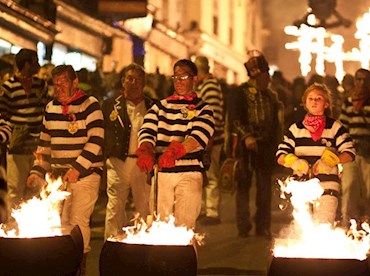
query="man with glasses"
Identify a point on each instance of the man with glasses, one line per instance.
(123, 117)
(177, 131)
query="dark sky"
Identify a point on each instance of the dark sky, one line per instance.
(280, 13)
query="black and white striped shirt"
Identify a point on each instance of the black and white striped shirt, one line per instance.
(298, 141)
(5, 131)
(357, 123)
(176, 120)
(210, 91)
(72, 140)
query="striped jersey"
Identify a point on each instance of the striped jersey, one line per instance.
(210, 91)
(72, 140)
(5, 131)
(357, 123)
(24, 111)
(21, 108)
(297, 140)
(176, 120)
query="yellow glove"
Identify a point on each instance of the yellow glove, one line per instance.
(326, 163)
(299, 166)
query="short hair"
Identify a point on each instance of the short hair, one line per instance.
(324, 90)
(202, 64)
(60, 69)
(133, 66)
(24, 56)
(187, 63)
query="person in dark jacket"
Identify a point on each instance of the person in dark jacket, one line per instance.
(124, 116)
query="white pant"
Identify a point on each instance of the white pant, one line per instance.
(179, 194)
(18, 169)
(79, 206)
(356, 188)
(211, 190)
(123, 177)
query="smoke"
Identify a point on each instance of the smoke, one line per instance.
(280, 13)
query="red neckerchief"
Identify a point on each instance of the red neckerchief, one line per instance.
(187, 98)
(315, 125)
(26, 83)
(78, 94)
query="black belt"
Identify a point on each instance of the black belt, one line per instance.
(331, 192)
(131, 156)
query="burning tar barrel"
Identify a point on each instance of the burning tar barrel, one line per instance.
(59, 255)
(318, 267)
(117, 258)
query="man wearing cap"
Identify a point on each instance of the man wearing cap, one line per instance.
(256, 123)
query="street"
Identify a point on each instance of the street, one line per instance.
(223, 252)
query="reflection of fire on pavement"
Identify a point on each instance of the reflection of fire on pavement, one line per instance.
(305, 239)
(158, 233)
(39, 216)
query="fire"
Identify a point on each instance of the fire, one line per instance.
(328, 47)
(305, 239)
(39, 216)
(158, 233)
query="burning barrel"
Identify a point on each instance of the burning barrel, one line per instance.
(117, 258)
(59, 255)
(318, 267)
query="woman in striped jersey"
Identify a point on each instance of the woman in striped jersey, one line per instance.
(315, 146)
(178, 130)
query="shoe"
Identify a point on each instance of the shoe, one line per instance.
(209, 220)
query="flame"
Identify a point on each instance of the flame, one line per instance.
(39, 216)
(328, 47)
(158, 233)
(305, 239)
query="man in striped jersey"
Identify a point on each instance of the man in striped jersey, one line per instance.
(5, 134)
(209, 90)
(355, 116)
(22, 102)
(178, 130)
(71, 147)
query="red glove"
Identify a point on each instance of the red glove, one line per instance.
(174, 151)
(145, 154)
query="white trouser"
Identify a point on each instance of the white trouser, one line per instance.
(211, 190)
(79, 206)
(123, 177)
(179, 194)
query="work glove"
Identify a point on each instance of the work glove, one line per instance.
(173, 152)
(145, 154)
(299, 166)
(326, 163)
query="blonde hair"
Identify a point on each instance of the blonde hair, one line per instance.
(325, 92)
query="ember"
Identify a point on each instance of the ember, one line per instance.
(305, 239)
(39, 216)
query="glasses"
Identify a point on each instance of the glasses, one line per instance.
(184, 77)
